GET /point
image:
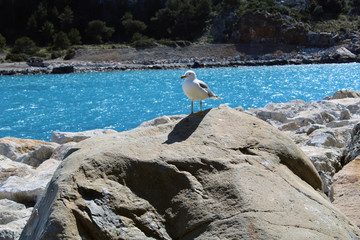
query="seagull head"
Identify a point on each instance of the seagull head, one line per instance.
(190, 75)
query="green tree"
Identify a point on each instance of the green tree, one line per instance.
(2, 41)
(61, 41)
(230, 5)
(47, 32)
(163, 22)
(66, 17)
(97, 32)
(355, 4)
(32, 24)
(132, 26)
(41, 12)
(329, 8)
(191, 18)
(24, 45)
(74, 36)
(38, 25)
(54, 15)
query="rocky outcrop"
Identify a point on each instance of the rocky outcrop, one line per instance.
(257, 28)
(260, 28)
(347, 190)
(225, 174)
(322, 129)
(322, 39)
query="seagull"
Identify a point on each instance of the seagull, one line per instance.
(196, 89)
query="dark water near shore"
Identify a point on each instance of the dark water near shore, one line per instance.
(36, 106)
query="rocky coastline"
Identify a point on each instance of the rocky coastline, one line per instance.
(202, 56)
(327, 131)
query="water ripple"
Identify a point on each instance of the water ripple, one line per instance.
(35, 106)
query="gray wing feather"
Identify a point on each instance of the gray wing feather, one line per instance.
(207, 89)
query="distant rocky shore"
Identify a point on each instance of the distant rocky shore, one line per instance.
(327, 131)
(207, 56)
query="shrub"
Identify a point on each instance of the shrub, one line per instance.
(74, 36)
(97, 32)
(167, 42)
(183, 43)
(142, 41)
(61, 41)
(70, 53)
(24, 45)
(132, 26)
(47, 33)
(56, 54)
(17, 57)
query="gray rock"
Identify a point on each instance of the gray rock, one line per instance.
(65, 137)
(353, 147)
(26, 189)
(36, 157)
(345, 115)
(344, 53)
(354, 108)
(60, 152)
(13, 217)
(16, 147)
(223, 175)
(326, 139)
(162, 120)
(9, 168)
(344, 94)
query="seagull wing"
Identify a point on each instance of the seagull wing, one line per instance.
(206, 88)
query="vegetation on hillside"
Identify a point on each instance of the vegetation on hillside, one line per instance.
(57, 25)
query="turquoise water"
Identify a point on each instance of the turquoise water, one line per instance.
(36, 106)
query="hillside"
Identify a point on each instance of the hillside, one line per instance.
(53, 29)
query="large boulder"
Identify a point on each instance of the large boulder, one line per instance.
(222, 175)
(347, 190)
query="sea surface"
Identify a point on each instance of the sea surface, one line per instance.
(34, 106)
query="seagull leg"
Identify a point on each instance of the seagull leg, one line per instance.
(201, 112)
(192, 106)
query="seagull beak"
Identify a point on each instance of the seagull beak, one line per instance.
(183, 77)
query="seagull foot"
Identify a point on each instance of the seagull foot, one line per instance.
(199, 113)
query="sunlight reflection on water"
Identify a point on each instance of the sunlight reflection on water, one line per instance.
(36, 106)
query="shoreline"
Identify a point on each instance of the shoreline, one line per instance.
(84, 67)
(198, 56)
